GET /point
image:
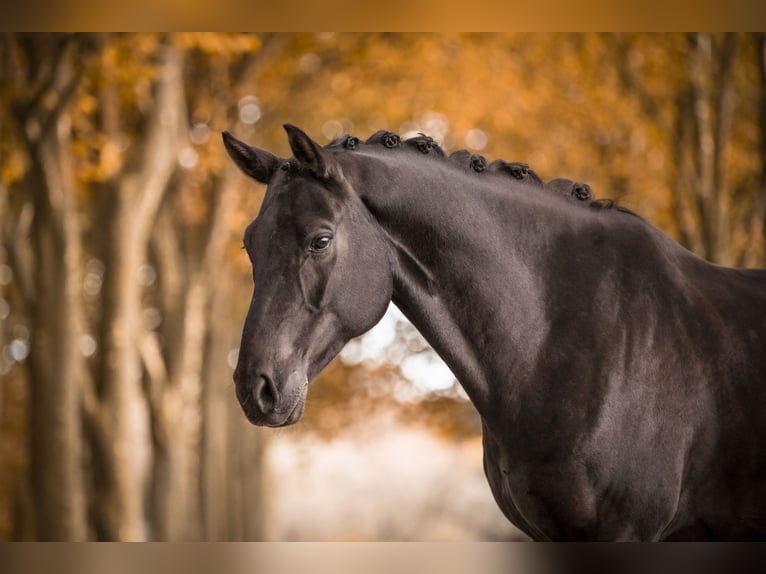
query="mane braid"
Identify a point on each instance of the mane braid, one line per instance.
(388, 139)
(517, 170)
(346, 141)
(478, 163)
(574, 189)
(469, 161)
(425, 144)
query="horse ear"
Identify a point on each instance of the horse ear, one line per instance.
(257, 163)
(309, 153)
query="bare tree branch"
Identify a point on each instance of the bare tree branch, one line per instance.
(14, 235)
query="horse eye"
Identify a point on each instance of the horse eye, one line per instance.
(320, 243)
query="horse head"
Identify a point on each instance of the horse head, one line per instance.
(322, 273)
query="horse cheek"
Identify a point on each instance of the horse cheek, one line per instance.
(314, 278)
(367, 291)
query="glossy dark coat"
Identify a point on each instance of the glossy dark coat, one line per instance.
(621, 379)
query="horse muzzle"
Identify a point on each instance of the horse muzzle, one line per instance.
(266, 403)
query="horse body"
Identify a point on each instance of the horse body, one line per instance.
(620, 379)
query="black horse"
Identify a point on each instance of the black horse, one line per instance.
(621, 380)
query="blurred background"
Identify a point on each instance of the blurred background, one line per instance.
(123, 286)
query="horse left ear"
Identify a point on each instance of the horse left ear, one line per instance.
(309, 153)
(257, 163)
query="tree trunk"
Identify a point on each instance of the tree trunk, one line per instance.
(176, 424)
(50, 282)
(178, 395)
(119, 416)
(700, 58)
(55, 364)
(710, 75)
(698, 136)
(217, 393)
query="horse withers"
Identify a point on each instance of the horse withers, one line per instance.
(620, 379)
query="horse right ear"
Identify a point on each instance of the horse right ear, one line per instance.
(257, 163)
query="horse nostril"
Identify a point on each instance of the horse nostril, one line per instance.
(265, 394)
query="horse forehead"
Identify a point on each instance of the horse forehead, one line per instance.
(297, 202)
(313, 197)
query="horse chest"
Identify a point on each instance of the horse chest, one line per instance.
(557, 498)
(509, 495)
(520, 492)
(546, 501)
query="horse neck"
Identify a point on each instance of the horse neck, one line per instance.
(470, 273)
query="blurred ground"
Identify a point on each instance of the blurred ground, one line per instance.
(381, 481)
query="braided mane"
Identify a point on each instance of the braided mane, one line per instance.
(426, 145)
